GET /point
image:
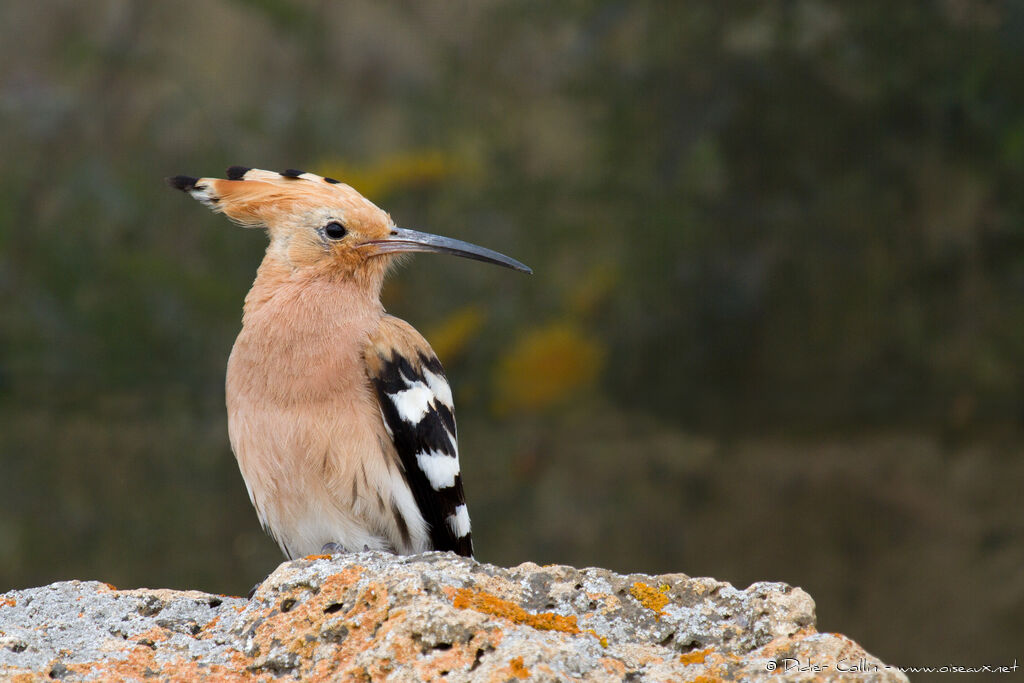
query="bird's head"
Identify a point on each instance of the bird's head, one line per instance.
(320, 223)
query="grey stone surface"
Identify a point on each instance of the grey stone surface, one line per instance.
(423, 617)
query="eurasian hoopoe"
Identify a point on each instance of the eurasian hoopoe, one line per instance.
(339, 414)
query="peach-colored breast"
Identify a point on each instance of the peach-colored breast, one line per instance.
(304, 421)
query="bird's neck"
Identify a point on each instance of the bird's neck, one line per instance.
(310, 297)
(303, 335)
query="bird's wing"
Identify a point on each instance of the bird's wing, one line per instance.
(418, 412)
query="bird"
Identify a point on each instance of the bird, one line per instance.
(340, 415)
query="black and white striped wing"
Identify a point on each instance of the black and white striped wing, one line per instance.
(416, 404)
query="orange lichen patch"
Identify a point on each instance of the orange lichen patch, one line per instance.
(301, 626)
(384, 643)
(156, 634)
(784, 646)
(341, 634)
(695, 657)
(30, 677)
(209, 625)
(317, 557)
(517, 669)
(486, 603)
(652, 598)
(601, 639)
(798, 637)
(607, 603)
(141, 663)
(8, 602)
(717, 666)
(110, 586)
(614, 667)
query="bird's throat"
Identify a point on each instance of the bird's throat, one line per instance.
(302, 338)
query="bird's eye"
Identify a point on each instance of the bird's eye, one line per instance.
(335, 230)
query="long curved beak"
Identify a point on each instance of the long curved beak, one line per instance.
(404, 240)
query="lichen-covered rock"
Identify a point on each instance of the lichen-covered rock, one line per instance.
(373, 616)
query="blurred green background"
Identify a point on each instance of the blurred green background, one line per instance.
(776, 329)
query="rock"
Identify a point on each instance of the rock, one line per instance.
(372, 616)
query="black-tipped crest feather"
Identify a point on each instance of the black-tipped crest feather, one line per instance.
(182, 182)
(237, 172)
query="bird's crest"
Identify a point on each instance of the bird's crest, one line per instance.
(320, 221)
(256, 198)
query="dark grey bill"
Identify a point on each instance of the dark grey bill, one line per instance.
(403, 240)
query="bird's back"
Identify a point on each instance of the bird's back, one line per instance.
(416, 404)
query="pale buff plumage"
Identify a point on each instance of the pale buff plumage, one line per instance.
(305, 424)
(303, 421)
